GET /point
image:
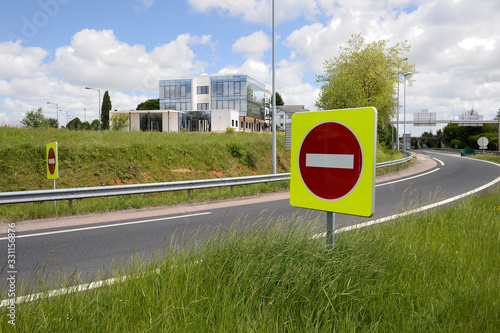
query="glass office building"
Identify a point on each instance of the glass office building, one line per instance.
(175, 95)
(218, 92)
(240, 93)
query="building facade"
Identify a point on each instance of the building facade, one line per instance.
(284, 115)
(212, 98)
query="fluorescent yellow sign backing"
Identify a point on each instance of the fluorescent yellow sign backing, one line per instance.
(333, 160)
(52, 161)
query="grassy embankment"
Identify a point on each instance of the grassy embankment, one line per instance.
(110, 158)
(437, 271)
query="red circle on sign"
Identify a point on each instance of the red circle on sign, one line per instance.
(51, 160)
(330, 160)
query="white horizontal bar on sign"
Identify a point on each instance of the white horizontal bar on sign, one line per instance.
(339, 161)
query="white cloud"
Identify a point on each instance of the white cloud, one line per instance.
(291, 86)
(143, 5)
(473, 43)
(109, 62)
(259, 11)
(19, 61)
(253, 46)
(259, 70)
(96, 59)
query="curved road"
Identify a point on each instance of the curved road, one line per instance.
(90, 244)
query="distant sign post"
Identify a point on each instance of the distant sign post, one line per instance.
(52, 163)
(333, 162)
(483, 143)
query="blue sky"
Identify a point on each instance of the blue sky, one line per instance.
(51, 49)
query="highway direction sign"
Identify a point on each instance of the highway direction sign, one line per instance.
(333, 160)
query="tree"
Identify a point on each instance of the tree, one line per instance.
(342, 91)
(95, 124)
(279, 99)
(105, 108)
(462, 135)
(36, 119)
(150, 104)
(74, 123)
(365, 75)
(385, 135)
(427, 134)
(86, 126)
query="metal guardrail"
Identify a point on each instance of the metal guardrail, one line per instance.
(458, 150)
(388, 163)
(116, 190)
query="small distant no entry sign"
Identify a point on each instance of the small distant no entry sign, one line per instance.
(333, 160)
(52, 163)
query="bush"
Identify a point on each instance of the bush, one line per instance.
(235, 149)
(119, 122)
(247, 157)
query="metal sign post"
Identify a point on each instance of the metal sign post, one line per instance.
(330, 229)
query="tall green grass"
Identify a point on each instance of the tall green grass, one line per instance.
(433, 272)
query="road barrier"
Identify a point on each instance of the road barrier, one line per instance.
(116, 190)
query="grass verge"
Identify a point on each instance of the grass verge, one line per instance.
(433, 272)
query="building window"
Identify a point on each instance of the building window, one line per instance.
(202, 90)
(175, 95)
(202, 106)
(151, 122)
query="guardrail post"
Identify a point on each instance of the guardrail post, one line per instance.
(70, 203)
(189, 193)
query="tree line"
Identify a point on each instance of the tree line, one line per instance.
(456, 136)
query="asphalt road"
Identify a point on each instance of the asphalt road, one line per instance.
(89, 245)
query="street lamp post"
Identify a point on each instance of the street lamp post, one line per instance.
(273, 122)
(57, 113)
(99, 105)
(67, 119)
(404, 120)
(397, 129)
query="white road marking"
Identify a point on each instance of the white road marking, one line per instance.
(413, 211)
(405, 179)
(442, 163)
(109, 225)
(338, 161)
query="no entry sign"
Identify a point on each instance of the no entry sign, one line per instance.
(330, 160)
(52, 165)
(333, 160)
